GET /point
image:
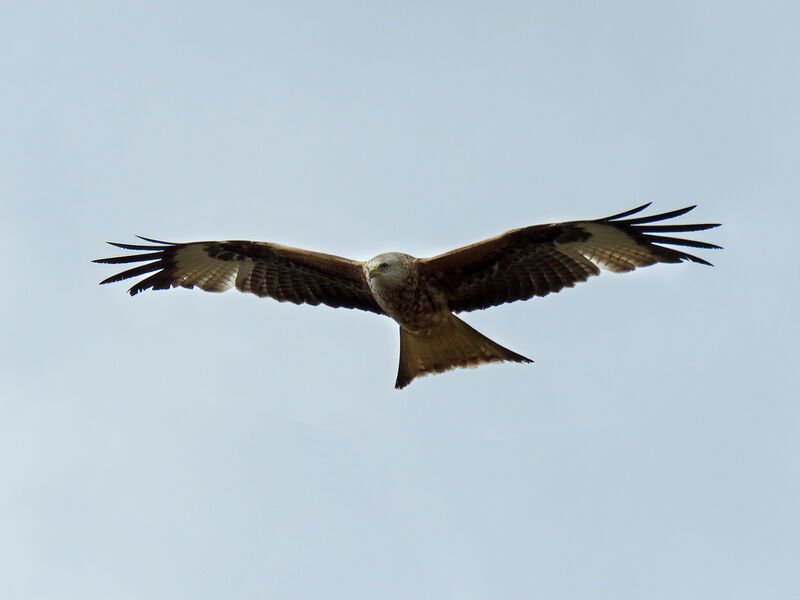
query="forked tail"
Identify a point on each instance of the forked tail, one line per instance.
(454, 344)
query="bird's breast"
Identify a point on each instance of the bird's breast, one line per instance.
(416, 309)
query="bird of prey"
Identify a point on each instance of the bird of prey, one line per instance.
(422, 294)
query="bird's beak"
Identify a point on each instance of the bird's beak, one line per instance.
(373, 272)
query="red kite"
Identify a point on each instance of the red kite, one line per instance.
(421, 294)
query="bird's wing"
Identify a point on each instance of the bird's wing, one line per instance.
(538, 260)
(261, 268)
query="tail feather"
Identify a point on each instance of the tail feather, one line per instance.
(455, 344)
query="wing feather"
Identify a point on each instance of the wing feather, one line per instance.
(261, 268)
(542, 259)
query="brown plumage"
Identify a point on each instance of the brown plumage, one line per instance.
(421, 295)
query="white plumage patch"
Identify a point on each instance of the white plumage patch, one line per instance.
(610, 249)
(194, 267)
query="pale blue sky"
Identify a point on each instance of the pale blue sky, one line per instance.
(189, 445)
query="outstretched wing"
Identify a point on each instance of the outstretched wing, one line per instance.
(538, 260)
(261, 268)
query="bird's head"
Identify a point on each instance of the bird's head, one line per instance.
(389, 270)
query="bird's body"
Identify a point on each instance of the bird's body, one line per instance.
(393, 279)
(432, 338)
(422, 295)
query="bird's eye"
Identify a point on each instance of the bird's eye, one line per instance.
(383, 266)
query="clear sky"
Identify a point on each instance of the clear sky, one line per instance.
(190, 445)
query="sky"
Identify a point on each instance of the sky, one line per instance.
(183, 444)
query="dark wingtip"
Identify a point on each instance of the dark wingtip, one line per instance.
(152, 255)
(161, 245)
(649, 229)
(698, 260)
(627, 213)
(147, 239)
(661, 216)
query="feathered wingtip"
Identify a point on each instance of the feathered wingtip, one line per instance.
(154, 245)
(154, 256)
(640, 227)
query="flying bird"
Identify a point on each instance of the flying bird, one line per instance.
(422, 294)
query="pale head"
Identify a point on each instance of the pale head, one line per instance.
(389, 270)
